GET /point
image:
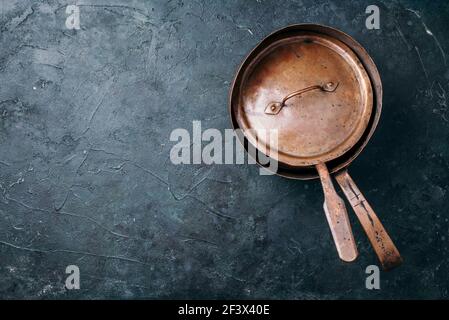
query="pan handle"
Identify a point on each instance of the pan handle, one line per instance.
(384, 247)
(337, 217)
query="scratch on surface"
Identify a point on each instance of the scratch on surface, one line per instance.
(138, 14)
(149, 172)
(219, 180)
(211, 210)
(442, 101)
(95, 222)
(106, 89)
(105, 151)
(429, 32)
(189, 192)
(22, 204)
(51, 65)
(58, 208)
(226, 275)
(85, 253)
(422, 63)
(199, 240)
(19, 181)
(117, 281)
(18, 20)
(35, 47)
(86, 155)
(245, 28)
(401, 34)
(182, 60)
(296, 246)
(167, 184)
(201, 15)
(279, 200)
(69, 158)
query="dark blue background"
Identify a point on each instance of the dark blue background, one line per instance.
(85, 119)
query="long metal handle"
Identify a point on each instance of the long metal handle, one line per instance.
(384, 247)
(274, 107)
(337, 217)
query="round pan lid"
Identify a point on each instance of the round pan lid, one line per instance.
(313, 90)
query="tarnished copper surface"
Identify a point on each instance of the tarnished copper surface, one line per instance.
(263, 83)
(309, 172)
(276, 106)
(337, 217)
(318, 126)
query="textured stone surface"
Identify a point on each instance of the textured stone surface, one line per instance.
(85, 178)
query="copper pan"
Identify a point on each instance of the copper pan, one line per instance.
(321, 90)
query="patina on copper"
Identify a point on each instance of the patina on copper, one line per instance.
(322, 92)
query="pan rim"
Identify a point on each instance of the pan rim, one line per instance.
(307, 173)
(364, 104)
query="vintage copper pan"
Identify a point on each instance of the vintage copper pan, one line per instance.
(322, 93)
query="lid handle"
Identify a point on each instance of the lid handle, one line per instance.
(275, 107)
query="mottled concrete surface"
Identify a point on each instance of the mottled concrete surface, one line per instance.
(85, 178)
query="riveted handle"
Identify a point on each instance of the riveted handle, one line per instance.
(275, 107)
(384, 247)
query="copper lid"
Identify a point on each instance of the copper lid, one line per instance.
(314, 90)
